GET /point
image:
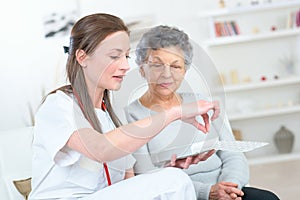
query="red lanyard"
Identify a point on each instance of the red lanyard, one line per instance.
(104, 108)
(104, 164)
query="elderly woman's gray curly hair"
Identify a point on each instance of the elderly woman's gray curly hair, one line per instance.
(163, 37)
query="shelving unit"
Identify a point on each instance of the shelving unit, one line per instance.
(273, 159)
(255, 107)
(235, 13)
(265, 113)
(251, 9)
(262, 85)
(250, 38)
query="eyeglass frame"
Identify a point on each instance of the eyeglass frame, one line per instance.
(154, 67)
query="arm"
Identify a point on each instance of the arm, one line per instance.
(235, 166)
(128, 138)
(232, 173)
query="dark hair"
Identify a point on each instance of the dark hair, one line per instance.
(86, 34)
(162, 37)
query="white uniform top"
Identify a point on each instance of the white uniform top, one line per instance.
(58, 171)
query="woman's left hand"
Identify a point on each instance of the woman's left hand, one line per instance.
(185, 163)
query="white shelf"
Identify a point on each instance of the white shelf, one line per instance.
(265, 113)
(274, 158)
(248, 9)
(249, 38)
(262, 85)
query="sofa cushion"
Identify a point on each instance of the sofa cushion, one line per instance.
(23, 186)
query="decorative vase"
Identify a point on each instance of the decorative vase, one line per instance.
(284, 140)
(221, 3)
(237, 134)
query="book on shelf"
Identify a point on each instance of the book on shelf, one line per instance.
(298, 18)
(226, 28)
(293, 20)
(235, 27)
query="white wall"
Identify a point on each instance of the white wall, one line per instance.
(28, 61)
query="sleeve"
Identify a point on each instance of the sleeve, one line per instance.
(57, 118)
(235, 166)
(202, 190)
(130, 116)
(130, 160)
(143, 161)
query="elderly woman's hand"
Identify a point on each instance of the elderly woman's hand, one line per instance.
(185, 163)
(226, 191)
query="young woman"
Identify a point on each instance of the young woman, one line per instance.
(164, 54)
(79, 145)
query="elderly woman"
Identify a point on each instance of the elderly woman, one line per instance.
(164, 54)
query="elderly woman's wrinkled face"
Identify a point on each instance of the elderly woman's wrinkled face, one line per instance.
(164, 70)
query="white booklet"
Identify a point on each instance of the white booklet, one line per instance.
(199, 147)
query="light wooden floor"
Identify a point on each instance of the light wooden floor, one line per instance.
(283, 178)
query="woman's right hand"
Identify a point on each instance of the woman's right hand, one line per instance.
(201, 107)
(184, 163)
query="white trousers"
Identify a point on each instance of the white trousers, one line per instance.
(166, 184)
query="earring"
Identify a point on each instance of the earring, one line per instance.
(142, 72)
(84, 66)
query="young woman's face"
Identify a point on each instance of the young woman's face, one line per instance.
(164, 70)
(107, 66)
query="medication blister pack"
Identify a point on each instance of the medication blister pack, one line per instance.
(238, 146)
(183, 151)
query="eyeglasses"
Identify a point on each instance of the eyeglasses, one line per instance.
(160, 67)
